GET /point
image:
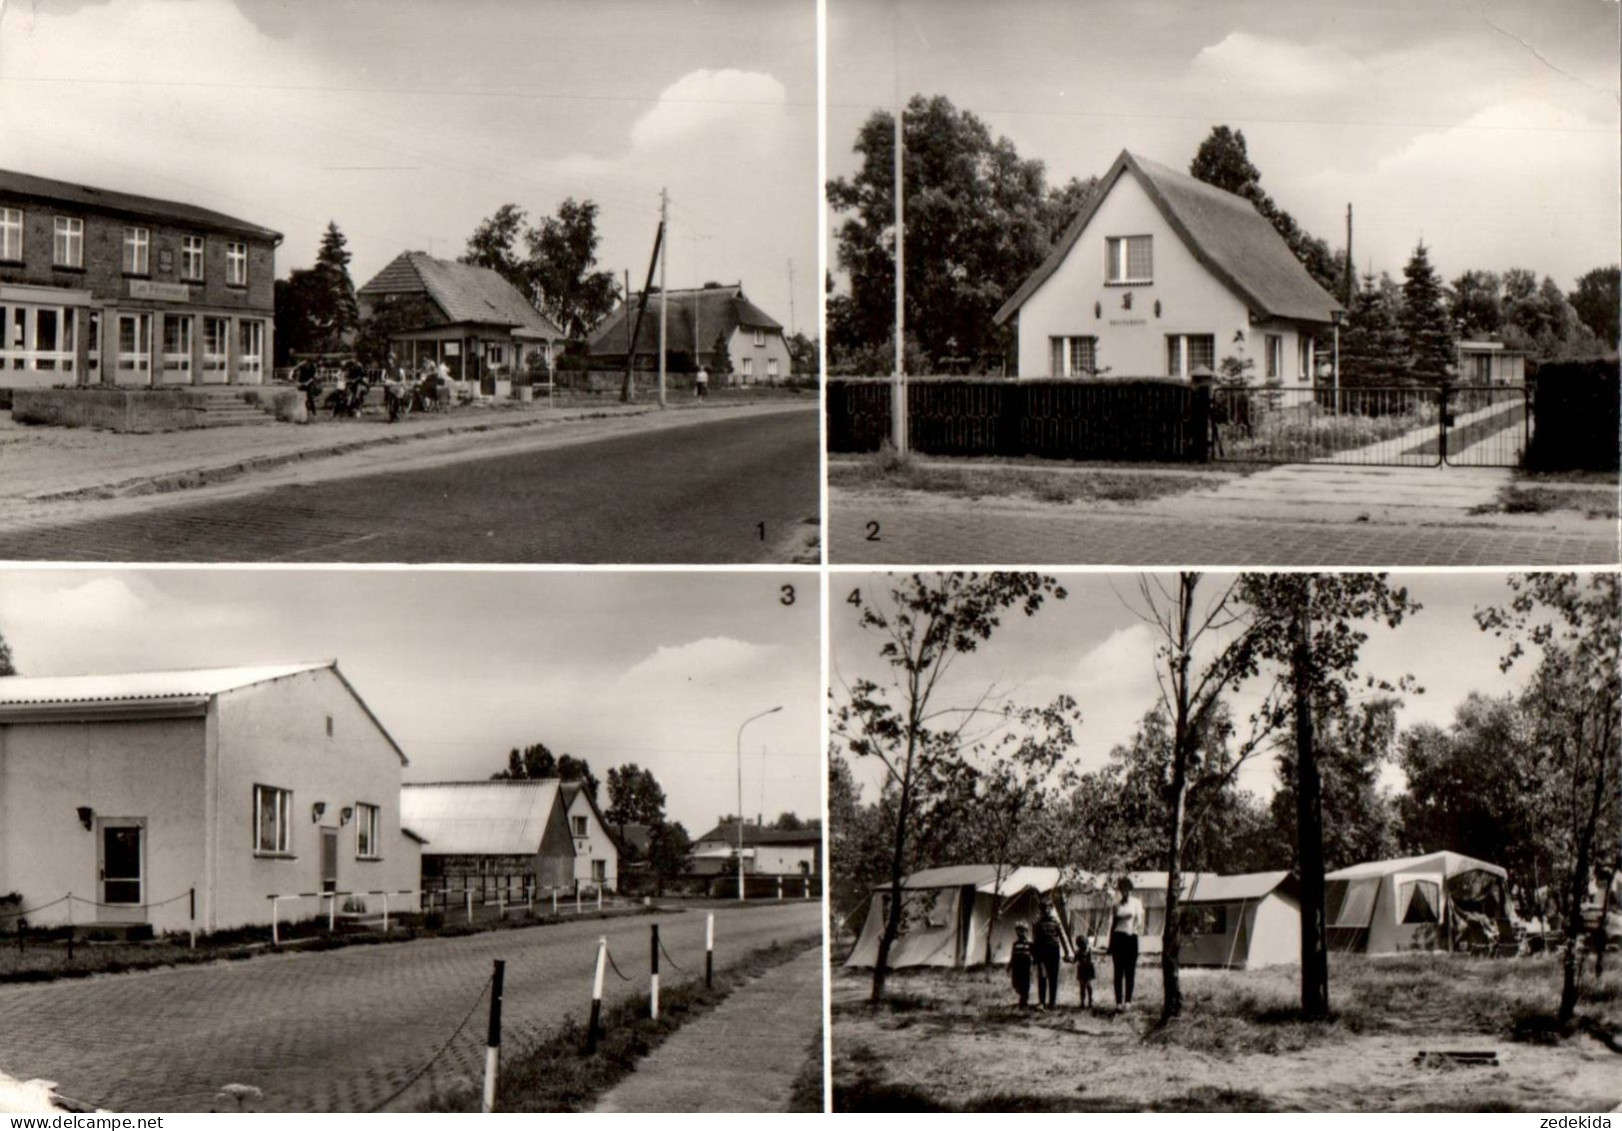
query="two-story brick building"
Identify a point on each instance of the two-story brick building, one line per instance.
(105, 287)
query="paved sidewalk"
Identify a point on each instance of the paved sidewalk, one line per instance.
(918, 529)
(742, 1056)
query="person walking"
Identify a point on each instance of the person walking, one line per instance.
(701, 383)
(1126, 924)
(1049, 952)
(1019, 964)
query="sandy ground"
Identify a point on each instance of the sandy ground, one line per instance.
(55, 475)
(1111, 1060)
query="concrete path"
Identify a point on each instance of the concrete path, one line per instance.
(742, 1056)
(340, 1030)
(1338, 493)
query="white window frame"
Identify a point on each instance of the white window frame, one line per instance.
(236, 264)
(20, 348)
(140, 359)
(1304, 349)
(760, 339)
(216, 362)
(579, 824)
(67, 242)
(1118, 260)
(599, 871)
(1183, 366)
(137, 251)
(1062, 348)
(178, 361)
(1275, 356)
(11, 234)
(366, 826)
(191, 250)
(748, 369)
(281, 811)
(771, 368)
(251, 349)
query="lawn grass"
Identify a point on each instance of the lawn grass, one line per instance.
(1008, 479)
(968, 1047)
(555, 1075)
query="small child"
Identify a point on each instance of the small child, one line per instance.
(1085, 971)
(1019, 964)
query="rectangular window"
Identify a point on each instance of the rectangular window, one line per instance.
(177, 333)
(1187, 352)
(135, 343)
(11, 233)
(748, 368)
(1303, 357)
(271, 829)
(39, 339)
(366, 831)
(137, 251)
(216, 344)
(1074, 356)
(760, 339)
(68, 248)
(579, 826)
(599, 871)
(191, 257)
(771, 367)
(250, 350)
(236, 264)
(1275, 357)
(1129, 259)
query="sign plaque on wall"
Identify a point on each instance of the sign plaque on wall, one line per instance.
(168, 292)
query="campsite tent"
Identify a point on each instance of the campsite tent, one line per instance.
(947, 915)
(1242, 921)
(1441, 901)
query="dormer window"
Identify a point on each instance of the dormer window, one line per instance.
(1129, 260)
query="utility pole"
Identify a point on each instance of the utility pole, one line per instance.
(1309, 816)
(791, 327)
(664, 254)
(1348, 287)
(630, 342)
(898, 387)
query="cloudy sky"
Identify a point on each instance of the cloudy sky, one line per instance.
(657, 668)
(408, 121)
(1487, 128)
(1093, 647)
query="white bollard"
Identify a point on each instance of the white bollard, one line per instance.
(599, 897)
(597, 996)
(385, 912)
(469, 894)
(332, 912)
(554, 903)
(709, 949)
(577, 899)
(779, 889)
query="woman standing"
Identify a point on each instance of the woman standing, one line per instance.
(1049, 951)
(1125, 927)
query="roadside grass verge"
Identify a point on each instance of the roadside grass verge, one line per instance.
(1045, 483)
(46, 956)
(807, 1095)
(555, 1075)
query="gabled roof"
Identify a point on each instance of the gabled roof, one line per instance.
(1447, 863)
(135, 691)
(30, 187)
(727, 831)
(141, 687)
(709, 310)
(480, 818)
(1224, 232)
(463, 292)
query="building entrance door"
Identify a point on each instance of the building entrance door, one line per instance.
(329, 859)
(121, 869)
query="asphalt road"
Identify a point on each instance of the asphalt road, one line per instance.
(690, 495)
(342, 1030)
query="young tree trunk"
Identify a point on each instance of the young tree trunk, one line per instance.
(1572, 958)
(1309, 824)
(892, 922)
(1172, 934)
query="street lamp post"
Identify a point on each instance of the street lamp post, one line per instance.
(1336, 315)
(745, 723)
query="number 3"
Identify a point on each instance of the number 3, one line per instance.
(787, 597)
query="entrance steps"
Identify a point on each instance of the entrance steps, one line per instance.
(225, 407)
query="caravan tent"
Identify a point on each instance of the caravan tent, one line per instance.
(947, 915)
(1241, 922)
(1442, 901)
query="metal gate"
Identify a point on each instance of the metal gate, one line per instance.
(1389, 426)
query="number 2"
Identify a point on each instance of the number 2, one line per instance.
(873, 532)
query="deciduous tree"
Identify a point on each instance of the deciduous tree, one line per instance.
(634, 798)
(494, 244)
(1597, 301)
(923, 625)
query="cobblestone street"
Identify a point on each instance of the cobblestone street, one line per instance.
(340, 1030)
